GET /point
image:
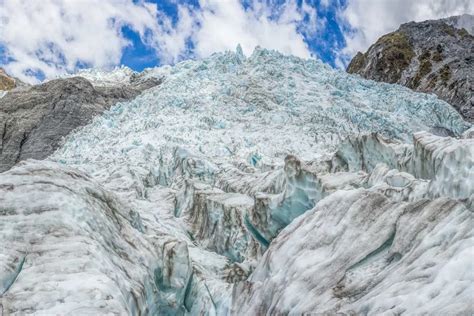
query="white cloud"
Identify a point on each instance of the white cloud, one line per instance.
(53, 36)
(57, 36)
(224, 24)
(170, 39)
(324, 3)
(371, 19)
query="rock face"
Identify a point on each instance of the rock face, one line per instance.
(247, 186)
(6, 82)
(33, 120)
(431, 56)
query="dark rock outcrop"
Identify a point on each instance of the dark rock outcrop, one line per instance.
(433, 56)
(6, 82)
(33, 120)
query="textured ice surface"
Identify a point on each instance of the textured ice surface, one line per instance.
(180, 199)
(358, 252)
(75, 246)
(258, 110)
(71, 247)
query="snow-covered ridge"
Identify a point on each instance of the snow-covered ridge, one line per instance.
(100, 77)
(117, 76)
(267, 184)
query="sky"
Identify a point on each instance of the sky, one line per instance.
(45, 39)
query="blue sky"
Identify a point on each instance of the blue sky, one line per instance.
(139, 56)
(48, 38)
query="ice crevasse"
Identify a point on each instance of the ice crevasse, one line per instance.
(266, 184)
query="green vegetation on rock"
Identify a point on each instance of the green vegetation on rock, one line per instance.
(433, 56)
(423, 69)
(445, 74)
(357, 63)
(397, 55)
(6, 83)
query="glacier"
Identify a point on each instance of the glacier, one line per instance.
(266, 184)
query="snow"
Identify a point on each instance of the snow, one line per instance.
(68, 217)
(101, 77)
(268, 184)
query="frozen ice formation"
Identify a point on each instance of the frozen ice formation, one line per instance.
(72, 242)
(359, 253)
(240, 186)
(34, 120)
(119, 75)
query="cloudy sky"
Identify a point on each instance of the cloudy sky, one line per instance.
(43, 39)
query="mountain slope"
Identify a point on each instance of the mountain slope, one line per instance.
(33, 120)
(432, 56)
(210, 194)
(6, 82)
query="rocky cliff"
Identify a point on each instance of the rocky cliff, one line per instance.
(6, 82)
(432, 56)
(34, 119)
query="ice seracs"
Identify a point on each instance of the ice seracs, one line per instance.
(260, 185)
(359, 252)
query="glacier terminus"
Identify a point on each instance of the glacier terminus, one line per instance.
(246, 185)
